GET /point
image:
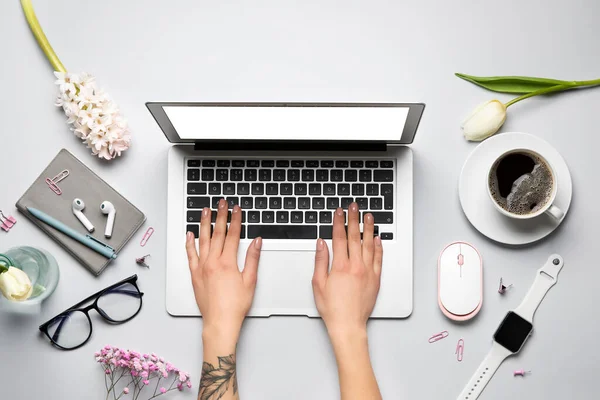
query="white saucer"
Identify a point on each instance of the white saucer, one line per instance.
(478, 206)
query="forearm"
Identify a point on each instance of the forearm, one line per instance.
(357, 379)
(219, 373)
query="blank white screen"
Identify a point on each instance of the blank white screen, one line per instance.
(288, 123)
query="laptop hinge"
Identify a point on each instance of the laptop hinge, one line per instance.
(290, 145)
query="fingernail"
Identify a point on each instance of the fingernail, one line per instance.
(205, 212)
(339, 212)
(190, 235)
(353, 207)
(369, 217)
(258, 243)
(222, 203)
(320, 244)
(236, 209)
(377, 241)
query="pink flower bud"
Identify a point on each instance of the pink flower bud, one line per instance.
(126, 390)
(163, 390)
(146, 381)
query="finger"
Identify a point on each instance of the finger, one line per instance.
(204, 235)
(340, 245)
(233, 235)
(354, 247)
(192, 254)
(367, 243)
(250, 272)
(218, 237)
(378, 257)
(321, 264)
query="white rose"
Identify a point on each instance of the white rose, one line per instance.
(15, 285)
(484, 121)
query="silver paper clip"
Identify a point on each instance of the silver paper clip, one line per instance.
(147, 236)
(53, 183)
(438, 336)
(460, 348)
(502, 288)
(142, 261)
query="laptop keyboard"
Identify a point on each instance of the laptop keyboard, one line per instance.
(291, 199)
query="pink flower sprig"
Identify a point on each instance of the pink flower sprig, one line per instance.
(140, 370)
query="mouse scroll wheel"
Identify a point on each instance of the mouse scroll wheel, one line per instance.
(461, 259)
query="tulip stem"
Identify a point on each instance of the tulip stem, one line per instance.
(557, 88)
(37, 31)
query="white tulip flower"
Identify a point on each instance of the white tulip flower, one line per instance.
(484, 121)
(15, 285)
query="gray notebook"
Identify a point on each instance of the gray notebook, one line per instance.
(84, 184)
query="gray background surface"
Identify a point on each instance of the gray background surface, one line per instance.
(314, 51)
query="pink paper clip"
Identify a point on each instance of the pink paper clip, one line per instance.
(6, 222)
(521, 372)
(53, 183)
(438, 336)
(460, 348)
(146, 237)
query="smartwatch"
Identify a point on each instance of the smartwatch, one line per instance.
(515, 328)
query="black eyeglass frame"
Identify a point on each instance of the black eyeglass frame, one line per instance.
(94, 306)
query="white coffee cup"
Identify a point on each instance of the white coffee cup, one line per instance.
(548, 208)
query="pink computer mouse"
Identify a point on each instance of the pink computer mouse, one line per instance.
(460, 281)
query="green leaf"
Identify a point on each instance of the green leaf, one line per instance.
(513, 84)
(3, 268)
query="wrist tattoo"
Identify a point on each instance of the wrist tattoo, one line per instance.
(215, 381)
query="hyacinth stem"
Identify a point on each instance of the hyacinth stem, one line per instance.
(37, 31)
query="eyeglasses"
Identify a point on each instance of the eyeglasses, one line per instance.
(117, 304)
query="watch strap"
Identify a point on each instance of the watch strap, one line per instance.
(546, 277)
(484, 373)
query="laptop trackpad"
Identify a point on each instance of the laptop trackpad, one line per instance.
(284, 284)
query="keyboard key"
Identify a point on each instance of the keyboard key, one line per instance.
(267, 163)
(386, 235)
(311, 217)
(208, 163)
(325, 217)
(193, 174)
(372, 164)
(264, 175)
(376, 203)
(314, 189)
(351, 175)
(193, 163)
(296, 217)
(272, 189)
(250, 175)
(312, 164)
(337, 175)
(252, 163)
(346, 201)
(343, 189)
(283, 217)
(228, 188)
(322, 175)
(293, 175)
(318, 203)
(383, 217)
(304, 203)
(275, 203)
(232, 201)
(297, 163)
(268, 217)
(308, 175)
(285, 189)
(223, 163)
(358, 189)
(236, 175)
(372, 189)
(243, 188)
(243, 217)
(194, 216)
(333, 203)
(260, 203)
(282, 231)
(387, 191)
(195, 229)
(386, 164)
(327, 164)
(383, 176)
(214, 202)
(208, 174)
(247, 203)
(253, 217)
(238, 163)
(213, 216)
(363, 203)
(364, 175)
(329, 189)
(341, 164)
(279, 175)
(326, 231)
(289, 203)
(300, 189)
(282, 163)
(356, 164)
(243, 232)
(196, 188)
(214, 188)
(198, 202)
(258, 189)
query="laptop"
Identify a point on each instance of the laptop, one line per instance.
(289, 166)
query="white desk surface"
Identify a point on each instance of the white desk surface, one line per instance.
(348, 51)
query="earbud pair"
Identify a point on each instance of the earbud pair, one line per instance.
(107, 208)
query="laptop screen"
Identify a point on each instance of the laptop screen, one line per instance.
(185, 122)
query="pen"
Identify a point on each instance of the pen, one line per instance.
(86, 240)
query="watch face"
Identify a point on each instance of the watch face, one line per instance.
(513, 332)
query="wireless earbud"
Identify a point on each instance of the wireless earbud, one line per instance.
(108, 208)
(78, 206)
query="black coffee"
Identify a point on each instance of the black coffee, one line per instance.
(521, 183)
